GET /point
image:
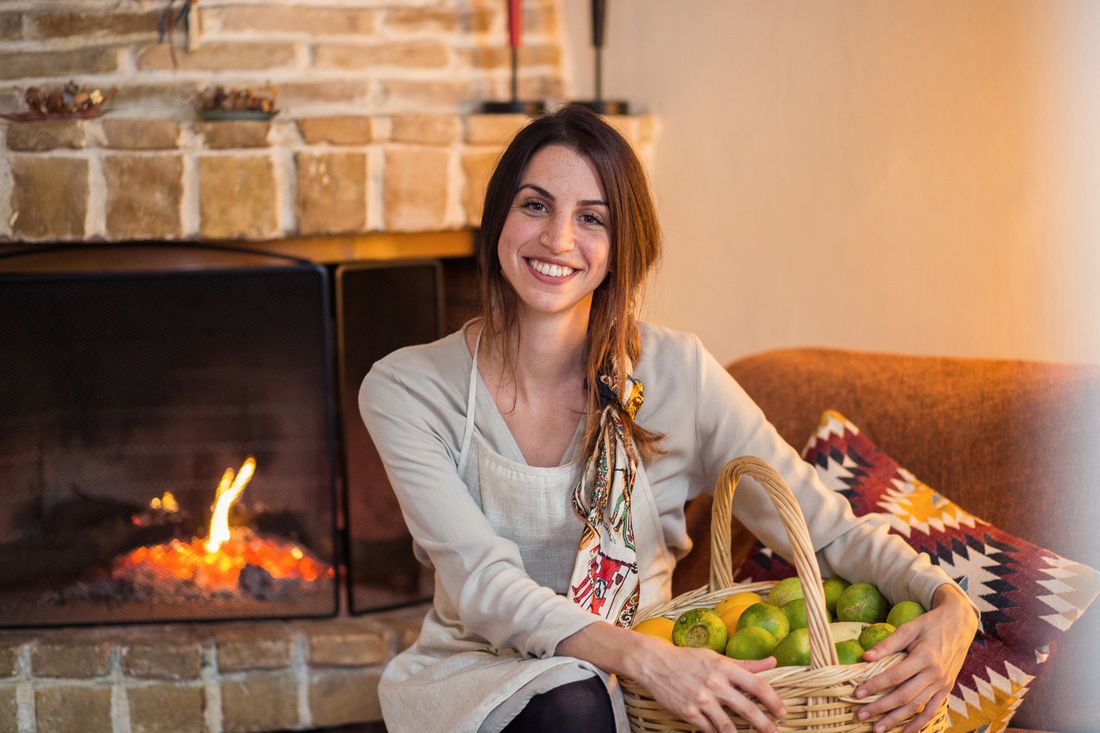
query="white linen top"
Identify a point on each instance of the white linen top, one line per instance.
(414, 401)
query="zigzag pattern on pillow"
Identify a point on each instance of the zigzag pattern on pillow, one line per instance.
(1028, 596)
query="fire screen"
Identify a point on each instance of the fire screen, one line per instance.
(381, 308)
(166, 444)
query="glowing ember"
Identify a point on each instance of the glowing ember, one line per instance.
(165, 503)
(216, 563)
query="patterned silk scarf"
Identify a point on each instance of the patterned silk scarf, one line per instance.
(605, 576)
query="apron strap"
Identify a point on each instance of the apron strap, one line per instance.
(471, 400)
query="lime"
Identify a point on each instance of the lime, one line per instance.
(660, 627)
(751, 642)
(794, 649)
(904, 611)
(875, 633)
(785, 591)
(766, 616)
(796, 613)
(862, 602)
(833, 587)
(849, 652)
(700, 627)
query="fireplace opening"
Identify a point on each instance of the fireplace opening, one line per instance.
(167, 443)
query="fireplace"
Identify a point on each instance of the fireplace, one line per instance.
(167, 447)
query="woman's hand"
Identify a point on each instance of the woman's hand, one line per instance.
(700, 686)
(936, 643)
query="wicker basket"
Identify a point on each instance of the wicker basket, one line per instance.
(818, 698)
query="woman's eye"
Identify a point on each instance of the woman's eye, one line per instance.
(534, 206)
(592, 220)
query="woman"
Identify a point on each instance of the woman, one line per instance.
(547, 488)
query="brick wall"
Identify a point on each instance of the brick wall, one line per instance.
(326, 56)
(376, 130)
(229, 678)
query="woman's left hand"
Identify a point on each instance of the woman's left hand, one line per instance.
(936, 643)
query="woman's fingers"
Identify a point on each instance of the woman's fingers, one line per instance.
(908, 699)
(759, 688)
(929, 712)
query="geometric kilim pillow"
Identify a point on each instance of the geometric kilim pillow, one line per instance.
(1028, 596)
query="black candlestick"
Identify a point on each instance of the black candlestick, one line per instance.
(514, 105)
(599, 104)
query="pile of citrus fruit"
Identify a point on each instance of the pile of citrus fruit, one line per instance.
(748, 626)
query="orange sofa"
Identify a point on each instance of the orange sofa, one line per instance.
(1011, 442)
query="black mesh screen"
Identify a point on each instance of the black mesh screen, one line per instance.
(382, 308)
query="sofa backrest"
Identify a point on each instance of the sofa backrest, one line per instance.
(1015, 443)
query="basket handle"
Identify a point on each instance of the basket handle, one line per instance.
(822, 651)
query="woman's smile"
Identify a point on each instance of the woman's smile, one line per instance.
(549, 271)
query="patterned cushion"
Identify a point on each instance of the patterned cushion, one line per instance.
(1028, 595)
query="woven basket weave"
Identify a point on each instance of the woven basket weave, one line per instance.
(819, 698)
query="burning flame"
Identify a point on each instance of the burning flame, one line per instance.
(217, 561)
(229, 490)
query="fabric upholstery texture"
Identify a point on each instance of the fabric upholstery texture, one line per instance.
(1010, 441)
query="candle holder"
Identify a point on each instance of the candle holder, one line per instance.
(599, 104)
(514, 105)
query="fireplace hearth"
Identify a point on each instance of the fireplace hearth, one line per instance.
(167, 449)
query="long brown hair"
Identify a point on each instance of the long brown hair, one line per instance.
(635, 239)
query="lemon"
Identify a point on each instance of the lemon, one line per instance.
(660, 627)
(731, 615)
(794, 649)
(833, 587)
(766, 616)
(751, 642)
(875, 633)
(700, 627)
(785, 591)
(904, 611)
(862, 602)
(849, 652)
(745, 599)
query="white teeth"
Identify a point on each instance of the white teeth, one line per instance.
(551, 270)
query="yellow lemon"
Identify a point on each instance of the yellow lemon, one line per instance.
(660, 627)
(737, 599)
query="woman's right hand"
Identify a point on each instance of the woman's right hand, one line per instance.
(700, 686)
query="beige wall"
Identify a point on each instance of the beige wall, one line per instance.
(914, 176)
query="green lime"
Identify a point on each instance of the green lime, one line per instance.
(904, 611)
(833, 587)
(849, 652)
(700, 627)
(794, 649)
(766, 616)
(862, 602)
(796, 613)
(875, 633)
(785, 591)
(751, 642)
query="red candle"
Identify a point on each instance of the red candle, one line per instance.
(515, 22)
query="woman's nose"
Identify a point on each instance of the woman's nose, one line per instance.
(558, 235)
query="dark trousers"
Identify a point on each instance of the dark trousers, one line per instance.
(578, 707)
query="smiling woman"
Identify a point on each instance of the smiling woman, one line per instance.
(547, 488)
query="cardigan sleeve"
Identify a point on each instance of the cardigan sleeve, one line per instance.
(860, 549)
(480, 572)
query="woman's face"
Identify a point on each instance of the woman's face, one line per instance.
(555, 246)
